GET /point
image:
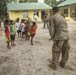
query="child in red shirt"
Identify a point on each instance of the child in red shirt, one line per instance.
(7, 33)
(33, 31)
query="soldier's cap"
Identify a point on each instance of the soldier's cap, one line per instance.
(55, 9)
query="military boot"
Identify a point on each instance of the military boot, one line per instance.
(53, 66)
(62, 65)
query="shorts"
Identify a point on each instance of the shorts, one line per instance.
(18, 31)
(12, 37)
(8, 39)
(28, 34)
(23, 33)
(32, 35)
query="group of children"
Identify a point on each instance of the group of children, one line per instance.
(25, 29)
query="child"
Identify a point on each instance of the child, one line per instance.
(22, 29)
(27, 30)
(35, 17)
(7, 33)
(18, 27)
(6, 18)
(33, 31)
(12, 32)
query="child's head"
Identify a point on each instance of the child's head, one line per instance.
(7, 22)
(22, 20)
(29, 19)
(6, 15)
(17, 20)
(27, 23)
(34, 23)
(11, 22)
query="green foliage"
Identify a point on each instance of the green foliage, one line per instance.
(21, 1)
(3, 9)
(53, 2)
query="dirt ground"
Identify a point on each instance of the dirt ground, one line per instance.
(24, 59)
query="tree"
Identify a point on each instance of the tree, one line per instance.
(21, 1)
(53, 2)
(3, 9)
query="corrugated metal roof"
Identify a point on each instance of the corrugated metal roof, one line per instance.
(27, 6)
(67, 2)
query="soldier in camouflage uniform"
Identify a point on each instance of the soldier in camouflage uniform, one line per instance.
(60, 36)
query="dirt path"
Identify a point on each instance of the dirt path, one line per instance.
(24, 59)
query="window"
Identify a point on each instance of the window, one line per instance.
(66, 12)
(25, 14)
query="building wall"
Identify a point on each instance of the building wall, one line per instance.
(71, 11)
(15, 14)
(31, 14)
(61, 10)
(19, 14)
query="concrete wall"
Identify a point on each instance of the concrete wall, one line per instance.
(19, 14)
(71, 11)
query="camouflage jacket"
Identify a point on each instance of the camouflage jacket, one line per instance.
(58, 27)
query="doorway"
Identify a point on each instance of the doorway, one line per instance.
(42, 14)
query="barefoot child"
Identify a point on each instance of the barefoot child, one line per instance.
(22, 27)
(27, 30)
(33, 31)
(12, 32)
(7, 33)
(17, 24)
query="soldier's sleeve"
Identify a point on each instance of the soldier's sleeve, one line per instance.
(51, 27)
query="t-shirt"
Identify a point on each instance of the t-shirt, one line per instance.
(23, 26)
(7, 30)
(35, 17)
(27, 28)
(45, 18)
(17, 25)
(12, 29)
(33, 29)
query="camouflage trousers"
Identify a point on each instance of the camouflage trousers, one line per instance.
(62, 47)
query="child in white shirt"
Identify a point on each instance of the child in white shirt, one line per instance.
(17, 24)
(22, 29)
